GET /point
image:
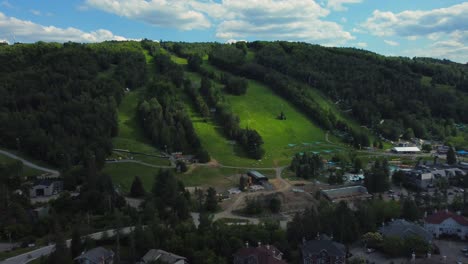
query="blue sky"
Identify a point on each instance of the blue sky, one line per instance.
(431, 28)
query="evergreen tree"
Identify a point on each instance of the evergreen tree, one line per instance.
(76, 246)
(274, 205)
(137, 189)
(451, 158)
(410, 210)
(211, 201)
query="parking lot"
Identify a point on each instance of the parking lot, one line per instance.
(453, 250)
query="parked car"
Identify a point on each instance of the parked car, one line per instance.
(465, 250)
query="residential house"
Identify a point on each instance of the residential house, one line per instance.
(45, 187)
(163, 257)
(323, 250)
(259, 255)
(404, 229)
(97, 255)
(446, 223)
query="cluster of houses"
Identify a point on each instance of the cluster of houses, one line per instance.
(322, 249)
(425, 176)
(101, 255)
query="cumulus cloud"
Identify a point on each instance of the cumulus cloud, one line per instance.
(418, 23)
(178, 14)
(27, 31)
(391, 42)
(338, 5)
(446, 29)
(294, 20)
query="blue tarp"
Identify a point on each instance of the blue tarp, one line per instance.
(462, 152)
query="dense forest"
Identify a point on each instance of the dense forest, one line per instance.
(58, 102)
(386, 94)
(391, 96)
(162, 114)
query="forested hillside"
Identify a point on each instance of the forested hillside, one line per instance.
(58, 102)
(392, 96)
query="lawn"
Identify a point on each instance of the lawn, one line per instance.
(122, 175)
(131, 136)
(259, 108)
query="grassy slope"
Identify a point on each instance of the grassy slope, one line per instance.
(258, 109)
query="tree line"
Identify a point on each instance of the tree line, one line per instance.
(162, 114)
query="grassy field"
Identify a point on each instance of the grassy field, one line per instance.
(259, 108)
(131, 135)
(122, 175)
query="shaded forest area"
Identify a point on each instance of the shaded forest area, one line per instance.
(58, 103)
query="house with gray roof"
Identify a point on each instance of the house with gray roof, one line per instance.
(323, 250)
(163, 257)
(404, 229)
(97, 255)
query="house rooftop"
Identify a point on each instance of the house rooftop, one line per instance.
(162, 256)
(257, 175)
(406, 149)
(96, 255)
(315, 247)
(402, 228)
(350, 192)
(265, 254)
(440, 216)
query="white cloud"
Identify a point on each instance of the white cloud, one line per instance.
(391, 42)
(418, 23)
(35, 12)
(165, 13)
(446, 29)
(27, 31)
(295, 20)
(361, 44)
(337, 5)
(450, 46)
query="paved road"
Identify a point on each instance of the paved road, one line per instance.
(142, 163)
(47, 250)
(30, 164)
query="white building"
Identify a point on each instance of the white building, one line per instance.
(406, 150)
(446, 223)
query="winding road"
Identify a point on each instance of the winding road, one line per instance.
(30, 164)
(47, 250)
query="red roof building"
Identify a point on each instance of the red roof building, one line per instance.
(446, 223)
(259, 255)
